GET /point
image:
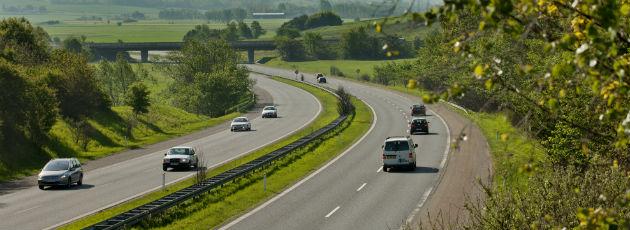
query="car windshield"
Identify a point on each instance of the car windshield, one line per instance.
(240, 120)
(270, 108)
(417, 106)
(419, 121)
(57, 165)
(396, 146)
(179, 151)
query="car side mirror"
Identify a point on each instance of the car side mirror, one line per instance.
(415, 146)
(164, 154)
(382, 146)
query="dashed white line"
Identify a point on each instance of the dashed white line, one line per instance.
(26, 210)
(379, 169)
(332, 212)
(424, 198)
(363, 185)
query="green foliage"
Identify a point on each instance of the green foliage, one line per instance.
(138, 98)
(73, 44)
(358, 44)
(257, 30)
(206, 78)
(76, 86)
(289, 32)
(115, 78)
(22, 43)
(231, 32)
(344, 105)
(203, 33)
(304, 22)
(316, 48)
(290, 49)
(244, 31)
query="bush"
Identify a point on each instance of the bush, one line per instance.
(316, 48)
(358, 44)
(290, 49)
(327, 18)
(344, 105)
(336, 71)
(365, 77)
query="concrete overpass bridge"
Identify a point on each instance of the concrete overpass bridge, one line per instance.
(145, 47)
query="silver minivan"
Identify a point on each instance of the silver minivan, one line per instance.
(399, 152)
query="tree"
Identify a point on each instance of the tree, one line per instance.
(76, 85)
(231, 32)
(358, 44)
(73, 44)
(244, 31)
(115, 78)
(289, 32)
(138, 98)
(315, 47)
(29, 107)
(290, 49)
(257, 30)
(239, 14)
(203, 33)
(206, 78)
(22, 43)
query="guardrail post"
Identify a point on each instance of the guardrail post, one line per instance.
(163, 181)
(265, 182)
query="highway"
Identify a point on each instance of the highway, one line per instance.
(352, 191)
(32, 208)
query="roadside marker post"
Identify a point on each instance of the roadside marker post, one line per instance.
(163, 181)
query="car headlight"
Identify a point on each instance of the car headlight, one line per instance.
(64, 176)
(185, 160)
(165, 160)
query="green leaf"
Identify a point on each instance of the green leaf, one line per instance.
(625, 9)
(479, 71)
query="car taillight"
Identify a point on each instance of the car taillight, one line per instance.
(410, 155)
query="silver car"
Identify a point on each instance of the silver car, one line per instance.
(180, 157)
(61, 172)
(270, 111)
(240, 124)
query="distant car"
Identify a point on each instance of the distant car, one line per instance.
(320, 78)
(418, 110)
(270, 111)
(182, 157)
(240, 124)
(61, 172)
(418, 124)
(399, 152)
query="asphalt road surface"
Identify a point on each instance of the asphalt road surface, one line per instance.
(352, 191)
(31, 208)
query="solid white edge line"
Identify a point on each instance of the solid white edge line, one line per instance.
(283, 193)
(332, 212)
(379, 169)
(192, 174)
(363, 185)
(442, 165)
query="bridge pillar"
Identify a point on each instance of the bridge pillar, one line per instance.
(250, 56)
(144, 55)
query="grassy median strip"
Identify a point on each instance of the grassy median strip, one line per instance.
(328, 114)
(222, 205)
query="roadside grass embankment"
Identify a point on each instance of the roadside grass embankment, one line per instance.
(348, 67)
(327, 115)
(108, 132)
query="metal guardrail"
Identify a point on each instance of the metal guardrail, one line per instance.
(137, 214)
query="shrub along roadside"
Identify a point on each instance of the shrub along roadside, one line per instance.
(327, 115)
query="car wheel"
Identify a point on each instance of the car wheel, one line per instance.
(384, 169)
(42, 187)
(80, 182)
(164, 168)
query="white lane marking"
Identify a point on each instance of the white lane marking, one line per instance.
(363, 185)
(26, 210)
(192, 174)
(332, 212)
(424, 198)
(285, 192)
(379, 169)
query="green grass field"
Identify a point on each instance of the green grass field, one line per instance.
(348, 67)
(401, 26)
(328, 114)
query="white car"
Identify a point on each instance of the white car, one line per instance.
(180, 157)
(240, 124)
(270, 111)
(399, 152)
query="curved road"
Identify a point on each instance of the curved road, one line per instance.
(352, 192)
(32, 208)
